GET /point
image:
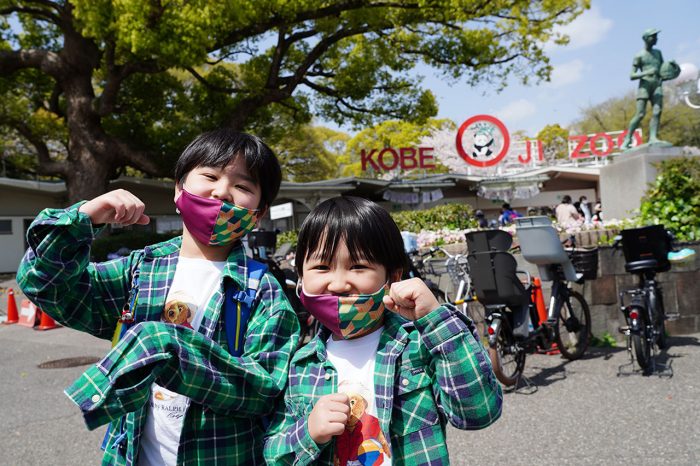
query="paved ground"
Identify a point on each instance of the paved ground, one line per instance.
(581, 413)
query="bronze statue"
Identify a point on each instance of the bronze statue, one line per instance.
(649, 67)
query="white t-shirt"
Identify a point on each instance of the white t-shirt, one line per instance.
(363, 440)
(193, 284)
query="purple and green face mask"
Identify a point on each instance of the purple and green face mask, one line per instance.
(349, 316)
(215, 222)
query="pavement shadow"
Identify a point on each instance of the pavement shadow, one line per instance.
(682, 340)
(602, 352)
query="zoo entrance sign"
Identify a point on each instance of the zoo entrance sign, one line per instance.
(483, 141)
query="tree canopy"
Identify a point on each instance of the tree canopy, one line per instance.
(94, 86)
(555, 141)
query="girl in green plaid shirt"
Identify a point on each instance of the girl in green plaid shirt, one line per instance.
(390, 366)
(171, 387)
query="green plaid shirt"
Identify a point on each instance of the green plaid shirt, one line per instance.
(428, 372)
(230, 395)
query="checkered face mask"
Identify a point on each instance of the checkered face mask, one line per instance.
(347, 316)
(213, 221)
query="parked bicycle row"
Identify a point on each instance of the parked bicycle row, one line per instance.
(486, 284)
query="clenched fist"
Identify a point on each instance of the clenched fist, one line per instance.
(329, 416)
(410, 298)
(118, 206)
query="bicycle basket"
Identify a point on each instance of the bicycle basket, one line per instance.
(586, 262)
(435, 267)
(458, 269)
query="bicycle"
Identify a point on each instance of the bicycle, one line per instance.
(457, 268)
(514, 326)
(420, 266)
(646, 254)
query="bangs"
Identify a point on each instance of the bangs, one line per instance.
(331, 238)
(366, 229)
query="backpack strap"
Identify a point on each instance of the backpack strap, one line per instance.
(127, 318)
(238, 305)
(125, 322)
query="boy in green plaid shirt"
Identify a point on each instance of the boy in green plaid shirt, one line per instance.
(390, 366)
(171, 388)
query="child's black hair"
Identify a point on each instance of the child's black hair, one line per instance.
(368, 231)
(220, 147)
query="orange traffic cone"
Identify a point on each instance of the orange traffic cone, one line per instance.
(12, 314)
(538, 297)
(46, 323)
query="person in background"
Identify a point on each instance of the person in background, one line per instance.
(597, 212)
(566, 213)
(585, 208)
(507, 215)
(481, 219)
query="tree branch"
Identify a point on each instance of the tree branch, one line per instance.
(15, 60)
(283, 45)
(213, 87)
(333, 11)
(53, 103)
(319, 49)
(47, 166)
(116, 75)
(35, 12)
(137, 159)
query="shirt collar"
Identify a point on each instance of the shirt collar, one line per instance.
(236, 262)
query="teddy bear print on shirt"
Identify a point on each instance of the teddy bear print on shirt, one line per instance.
(177, 311)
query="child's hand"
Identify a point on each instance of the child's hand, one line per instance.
(329, 416)
(410, 298)
(118, 206)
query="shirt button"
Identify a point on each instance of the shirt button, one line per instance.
(96, 398)
(404, 382)
(327, 376)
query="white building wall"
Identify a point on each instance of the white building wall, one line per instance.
(12, 245)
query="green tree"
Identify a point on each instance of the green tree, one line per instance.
(310, 154)
(555, 141)
(392, 133)
(128, 83)
(674, 199)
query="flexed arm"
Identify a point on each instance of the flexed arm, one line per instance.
(56, 272)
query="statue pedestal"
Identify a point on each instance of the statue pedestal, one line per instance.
(624, 182)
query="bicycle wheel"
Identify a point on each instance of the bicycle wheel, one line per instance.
(642, 349)
(507, 360)
(573, 327)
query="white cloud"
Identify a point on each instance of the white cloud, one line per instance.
(516, 110)
(588, 29)
(567, 73)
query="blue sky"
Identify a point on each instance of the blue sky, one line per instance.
(592, 68)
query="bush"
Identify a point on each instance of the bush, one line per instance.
(674, 199)
(446, 216)
(287, 237)
(128, 239)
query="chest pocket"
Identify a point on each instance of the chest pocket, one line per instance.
(414, 405)
(299, 406)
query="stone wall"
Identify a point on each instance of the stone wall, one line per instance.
(680, 286)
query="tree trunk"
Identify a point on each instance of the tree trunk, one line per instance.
(88, 178)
